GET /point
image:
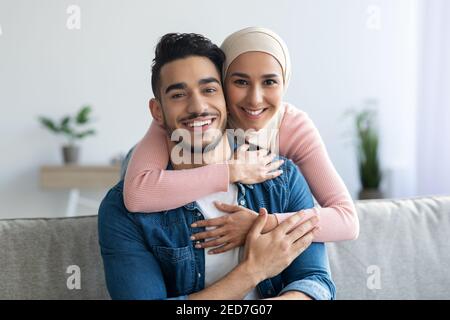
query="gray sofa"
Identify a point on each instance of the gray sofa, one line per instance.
(403, 252)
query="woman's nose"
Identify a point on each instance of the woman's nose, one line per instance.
(255, 96)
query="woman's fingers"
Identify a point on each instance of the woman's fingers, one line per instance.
(224, 248)
(274, 165)
(240, 152)
(215, 222)
(245, 154)
(243, 148)
(268, 159)
(213, 243)
(274, 174)
(208, 234)
(262, 153)
(226, 207)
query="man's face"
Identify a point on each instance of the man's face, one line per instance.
(192, 99)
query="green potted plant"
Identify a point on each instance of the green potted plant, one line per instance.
(73, 128)
(368, 154)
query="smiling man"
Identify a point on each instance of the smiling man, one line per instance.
(152, 256)
(189, 78)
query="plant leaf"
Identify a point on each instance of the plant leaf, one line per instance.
(49, 124)
(65, 121)
(84, 134)
(83, 115)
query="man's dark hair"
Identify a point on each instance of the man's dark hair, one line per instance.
(174, 46)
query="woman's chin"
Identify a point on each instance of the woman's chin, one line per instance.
(254, 124)
(243, 122)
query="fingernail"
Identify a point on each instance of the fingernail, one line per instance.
(198, 246)
(218, 203)
(194, 225)
(211, 252)
(192, 238)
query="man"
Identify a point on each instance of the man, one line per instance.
(151, 256)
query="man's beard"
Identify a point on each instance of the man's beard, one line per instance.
(196, 148)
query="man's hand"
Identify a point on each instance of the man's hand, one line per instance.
(270, 253)
(230, 230)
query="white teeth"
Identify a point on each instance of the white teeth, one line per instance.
(254, 113)
(199, 123)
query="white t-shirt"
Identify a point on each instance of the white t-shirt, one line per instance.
(218, 265)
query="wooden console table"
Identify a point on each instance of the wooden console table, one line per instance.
(76, 177)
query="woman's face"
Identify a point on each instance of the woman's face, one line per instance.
(253, 89)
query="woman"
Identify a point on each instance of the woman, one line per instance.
(256, 74)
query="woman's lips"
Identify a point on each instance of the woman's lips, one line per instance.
(253, 114)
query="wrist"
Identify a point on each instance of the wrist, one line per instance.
(251, 273)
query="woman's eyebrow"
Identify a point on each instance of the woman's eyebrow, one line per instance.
(246, 76)
(240, 74)
(270, 75)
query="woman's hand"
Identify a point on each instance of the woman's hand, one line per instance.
(230, 230)
(250, 167)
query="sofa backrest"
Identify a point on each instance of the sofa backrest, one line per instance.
(403, 252)
(57, 258)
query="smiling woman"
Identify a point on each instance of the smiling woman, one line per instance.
(254, 90)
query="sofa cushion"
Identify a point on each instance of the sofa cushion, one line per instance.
(45, 258)
(403, 251)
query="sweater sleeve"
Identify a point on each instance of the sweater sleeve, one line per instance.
(148, 187)
(301, 142)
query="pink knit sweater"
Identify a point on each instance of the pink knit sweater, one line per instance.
(148, 184)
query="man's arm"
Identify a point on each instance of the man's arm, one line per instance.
(131, 270)
(234, 286)
(309, 274)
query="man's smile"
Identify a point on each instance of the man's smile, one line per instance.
(199, 123)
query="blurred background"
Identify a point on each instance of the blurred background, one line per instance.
(389, 56)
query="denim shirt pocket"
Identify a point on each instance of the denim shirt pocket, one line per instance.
(178, 268)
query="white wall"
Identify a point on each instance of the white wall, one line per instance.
(50, 70)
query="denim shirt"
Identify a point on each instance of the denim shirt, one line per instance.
(151, 256)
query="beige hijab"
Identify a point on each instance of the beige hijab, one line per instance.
(260, 40)
(257, 39)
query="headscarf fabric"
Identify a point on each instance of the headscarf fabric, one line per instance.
(260, 40)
